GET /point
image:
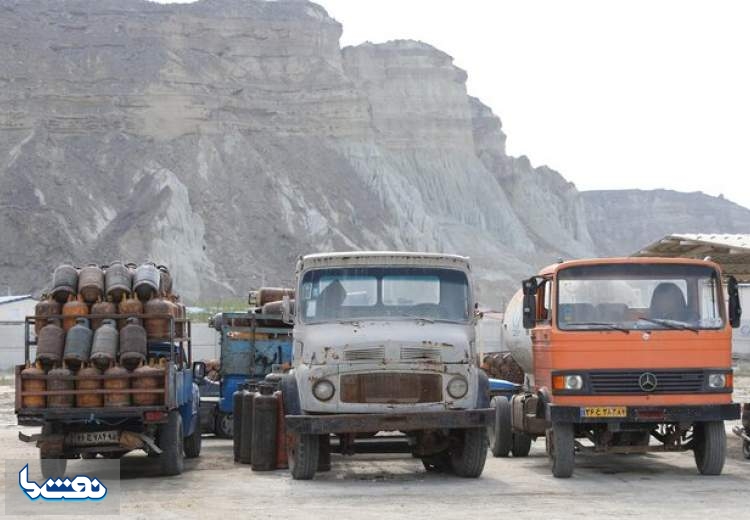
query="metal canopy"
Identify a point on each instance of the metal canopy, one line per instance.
(732, 252)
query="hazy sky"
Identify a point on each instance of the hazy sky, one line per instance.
(616, 94)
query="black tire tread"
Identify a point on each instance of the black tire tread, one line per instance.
(171, 443)
(563, 450)
(468, 458)
(302, 453)
(710, 448)
(501, 433)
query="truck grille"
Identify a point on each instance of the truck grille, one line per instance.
(365, 354)
(391, 388)
(628, 382)
(419, 354)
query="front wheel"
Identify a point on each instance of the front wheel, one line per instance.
(302, 454)
(171, 442)
(710, 447)
(500, 433)
(562, 450)
(224, 425)
(746, 449)
(193, 442)
(469, 455)
(521, 444)
(53, 468)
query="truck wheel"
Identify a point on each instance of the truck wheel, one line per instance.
(172, 458)
(439, 463)
(521, 444)
(53, 468)
(193, 442)
(500, 433)
(709, 447)
(468, 457)
(224, 425)
(562, 449)
(746, 449)
(302, 453)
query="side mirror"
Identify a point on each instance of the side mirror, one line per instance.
(287, 310)
(735, 308)
(530, 287)
(199, 371)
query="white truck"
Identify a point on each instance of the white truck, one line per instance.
(384, 342)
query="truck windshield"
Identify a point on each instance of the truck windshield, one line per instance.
(384, 292)
(638, 296)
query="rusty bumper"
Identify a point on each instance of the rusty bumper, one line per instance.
(403, 422)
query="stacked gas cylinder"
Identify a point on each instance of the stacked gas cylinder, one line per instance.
(93, 329)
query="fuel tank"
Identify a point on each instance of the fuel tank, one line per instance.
(516, 339)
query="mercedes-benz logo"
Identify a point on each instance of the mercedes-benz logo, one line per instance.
(647, 382)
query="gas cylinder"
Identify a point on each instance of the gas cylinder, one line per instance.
(117, 281)
(104, 346)
(129, 305)
(102, 307)
(148, 377)
(58, 380)
(263, 451)
(72, 310)
(64, 282)
(246, 428)
(273, 294)
(157, 328)
(117, 379)
(146, 281)
(237, 397)
(78, 344)
(88, 399)
(133, 344)
(282, 461)
(165, 280)
(33, 385)
(47, 306)
(178, 311)
(50, 343)
(91, 283)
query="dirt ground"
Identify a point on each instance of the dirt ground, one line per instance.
(396, 486)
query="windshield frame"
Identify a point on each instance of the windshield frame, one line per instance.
(649, 325)
(466, 274)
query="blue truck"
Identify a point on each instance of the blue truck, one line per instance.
(253, 345)
(167, 428)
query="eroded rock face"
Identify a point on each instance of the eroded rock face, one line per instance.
(226, 137)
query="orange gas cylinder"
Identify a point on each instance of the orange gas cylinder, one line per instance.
(59, 379)
(157, 328)
(129, 305)
(281, 438)
(88, 400)
(48, 306)
(117, 379)
(73, 309)
(148, 377)
(102, 307)
(33, 385)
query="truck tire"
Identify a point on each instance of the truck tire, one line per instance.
(709, 447)
(193, 442)
(171, 442)
(324, 453)
(224, 425)
(53, 468)
(746, 449)
(439, 463)
(521, 444)
(302, 452)
(501, 432)
(562, 450)
(469, 455)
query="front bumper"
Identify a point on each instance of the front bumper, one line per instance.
(403, 422)
(648, 414)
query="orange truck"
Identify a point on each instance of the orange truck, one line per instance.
(622, 355)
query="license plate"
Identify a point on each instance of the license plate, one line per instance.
(93, 438)
(604, 411)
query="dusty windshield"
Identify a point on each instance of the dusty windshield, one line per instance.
(384, 292)
(638, 296)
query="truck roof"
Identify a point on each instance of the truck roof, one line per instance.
(554, 268)
(345, 258)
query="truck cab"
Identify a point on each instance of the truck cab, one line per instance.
(622, 351)
(384, 341)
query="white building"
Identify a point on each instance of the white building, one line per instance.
(16, 308)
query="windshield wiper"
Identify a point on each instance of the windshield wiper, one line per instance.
(610, 326)
(671, 324)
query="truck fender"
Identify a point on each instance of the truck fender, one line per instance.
(544, 400)
(483, 389)
(290, 394)
(190, 412)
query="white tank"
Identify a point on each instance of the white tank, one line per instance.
(516, 339)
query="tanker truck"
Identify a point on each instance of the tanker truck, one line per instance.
(622, 355)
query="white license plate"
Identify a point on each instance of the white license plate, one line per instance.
(93, 438)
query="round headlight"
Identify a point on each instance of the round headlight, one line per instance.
(323, 390)
(458, 387)
(717, 380)
(573, 382)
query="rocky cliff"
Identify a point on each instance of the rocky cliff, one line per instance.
(225, 137)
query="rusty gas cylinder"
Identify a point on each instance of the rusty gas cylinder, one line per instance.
(147, 377)
(50, 343)
(33, 385)
(147, 280)
(72, 310)
(104, 345)
(59, 380)
(165, 280)
(64, 282)
(157, 328)
(265, 413)
(102, 307)
(117, 379)
(118, 281)
(47, 306)
(78, 344)
(91, 283)
(273, 294)
(133, 344)
(89, 383)
(128, 306)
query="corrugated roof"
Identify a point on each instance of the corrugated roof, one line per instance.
(732, 252)
(11, 299)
